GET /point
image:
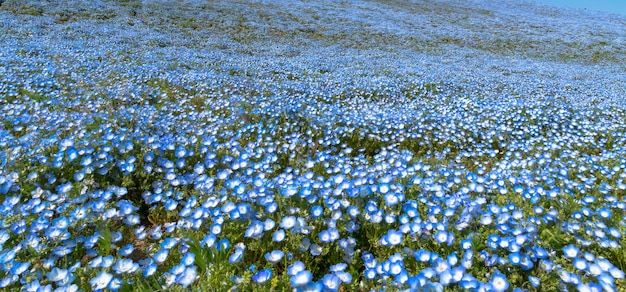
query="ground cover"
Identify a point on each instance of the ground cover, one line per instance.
(216, 145)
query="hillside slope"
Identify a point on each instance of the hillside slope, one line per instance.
(492, 45)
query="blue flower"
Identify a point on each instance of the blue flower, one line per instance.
(255, 229)
(383, 188)
(149, 270)
(57, 274)
(262, 276)
(101, 281)
(315, 249)
(346, 277)
(442, 237)
(279, 235)
(132, 220)
(223, 244)
(331, 282)
(423, 255)
(324, 236)
(169, 243)
(107, 261)
(393, 237)
(161, 256)
(187, 277)
(274, 256)
(115, 284)
(534, 281)
(123, 266)
(571, 251)
(468, 282)
(391, 199)
(288, 222)
(126, 250)
(316, 211)
(188, 259)
(515, 258)
(301, 278)
(19, 268)
(499, 281)
(236, 256)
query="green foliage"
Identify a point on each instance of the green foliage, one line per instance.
(33, 95)
(104, 240)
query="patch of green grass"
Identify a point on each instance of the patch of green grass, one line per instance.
(33, 95)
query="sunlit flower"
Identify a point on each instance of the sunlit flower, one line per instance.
(262, 276)
(275, 256)
(101, 281)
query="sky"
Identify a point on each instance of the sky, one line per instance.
(614, 6)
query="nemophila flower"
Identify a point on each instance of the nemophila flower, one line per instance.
(177, 269)
(63, 250)
(274, 256)
(116, 236)
(499, 281)
(571, 251)
(57, 274)
(255, 229)
(370, 274)
(580, 264)
(445, 278)
(126, 250)
(209, 240)
(294, 268)
(324, 236)
(457, 274)
(606, 280)
(132, 220)
(101, 281)
(262, 276)
(107, 261)
(423, 255)
(271, 207)
(187, 277)
(288, 222)
(315, 249)
(149, 270)
(443, 237)
(440, 265)
(466, 244)
(393, 237)
(223, 244)
(616, 273)
(169, 243)
(301, 278)
(161, 256)
(8, 280)
(486, 219)
(115, 284)
(594, 269)
(123, 266)
(432, 286)
(383, 188)
(19, 268)
(331, 282)
(236, 256)
(18, 227)
(395, 268)
(346, 277)
(279, 235)
(515, 258)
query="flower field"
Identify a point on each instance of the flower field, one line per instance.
(311, 146)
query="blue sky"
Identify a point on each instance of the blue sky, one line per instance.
(614, 6)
